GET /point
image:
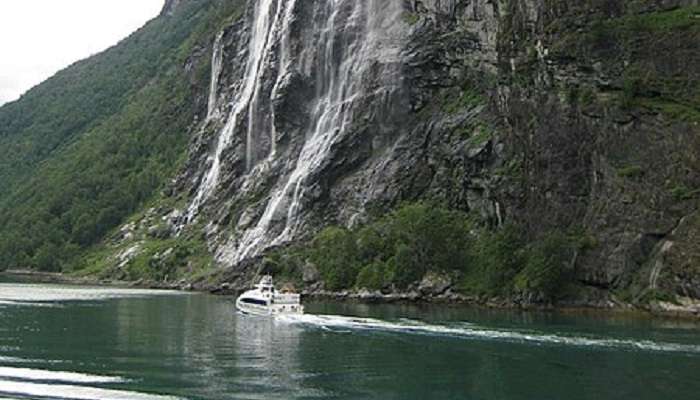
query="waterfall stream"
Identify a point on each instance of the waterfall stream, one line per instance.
(338, 60)
(217, 61)
(266, 17)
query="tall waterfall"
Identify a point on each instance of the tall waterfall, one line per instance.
(342, 53)
(266, 18)
(217, 62)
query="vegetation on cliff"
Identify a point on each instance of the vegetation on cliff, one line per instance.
(397, 251)
(87, 148)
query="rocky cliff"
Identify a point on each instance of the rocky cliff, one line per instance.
(554, 116)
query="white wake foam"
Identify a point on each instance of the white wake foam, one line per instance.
(28, 374)
(28, 389)
(11, 303)
(471, 331)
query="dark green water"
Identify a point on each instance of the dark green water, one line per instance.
(77, 343)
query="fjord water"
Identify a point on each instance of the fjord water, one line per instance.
(83, 343)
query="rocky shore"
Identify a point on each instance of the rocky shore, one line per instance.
(439, 293)
(681, 308)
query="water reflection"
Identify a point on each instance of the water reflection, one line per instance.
(197, 347)
(211, 349)
(267, 359)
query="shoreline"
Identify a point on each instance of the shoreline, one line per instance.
(690, 311)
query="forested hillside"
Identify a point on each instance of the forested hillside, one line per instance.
(89, 146)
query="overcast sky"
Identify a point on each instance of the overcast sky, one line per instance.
(40, 37)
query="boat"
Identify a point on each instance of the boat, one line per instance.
(264, 300)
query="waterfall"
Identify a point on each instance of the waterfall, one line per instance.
(345, 52)
(352, 34)
(260, 134)
(217, 62)
(284, 66)
(266, 17)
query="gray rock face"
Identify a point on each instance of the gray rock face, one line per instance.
(434, 284)
(318, 124)
(320, 111)
(600, 163)
(310, 274)
(298, 114)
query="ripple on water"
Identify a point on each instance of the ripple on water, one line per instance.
(38, 383)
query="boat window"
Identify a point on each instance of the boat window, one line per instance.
(254, 301)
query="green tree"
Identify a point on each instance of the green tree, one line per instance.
(336, 255)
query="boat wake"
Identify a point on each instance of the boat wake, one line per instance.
(12, 303)
(44, 375)
(471, 331)
(72, 392)
(37, 383)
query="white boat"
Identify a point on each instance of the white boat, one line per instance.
(264, 299)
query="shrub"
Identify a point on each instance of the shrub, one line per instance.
(335, 253)
(371, 243)
(467, 98)
(631, 171)
(411, 18)
(398, 248)
(682, 193)
(407, 267)
(372, 276)
(286, 264)
(481, 135)
(655, 296)
(495, 259)
(545, 266)
(401, 247)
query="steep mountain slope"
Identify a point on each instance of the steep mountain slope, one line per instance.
(573, 126)
(531, 150)
(86, 148)
(603, 109)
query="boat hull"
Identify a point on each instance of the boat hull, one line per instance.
(265, 300)
(268, 310)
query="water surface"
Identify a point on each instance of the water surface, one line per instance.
(91, 343)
